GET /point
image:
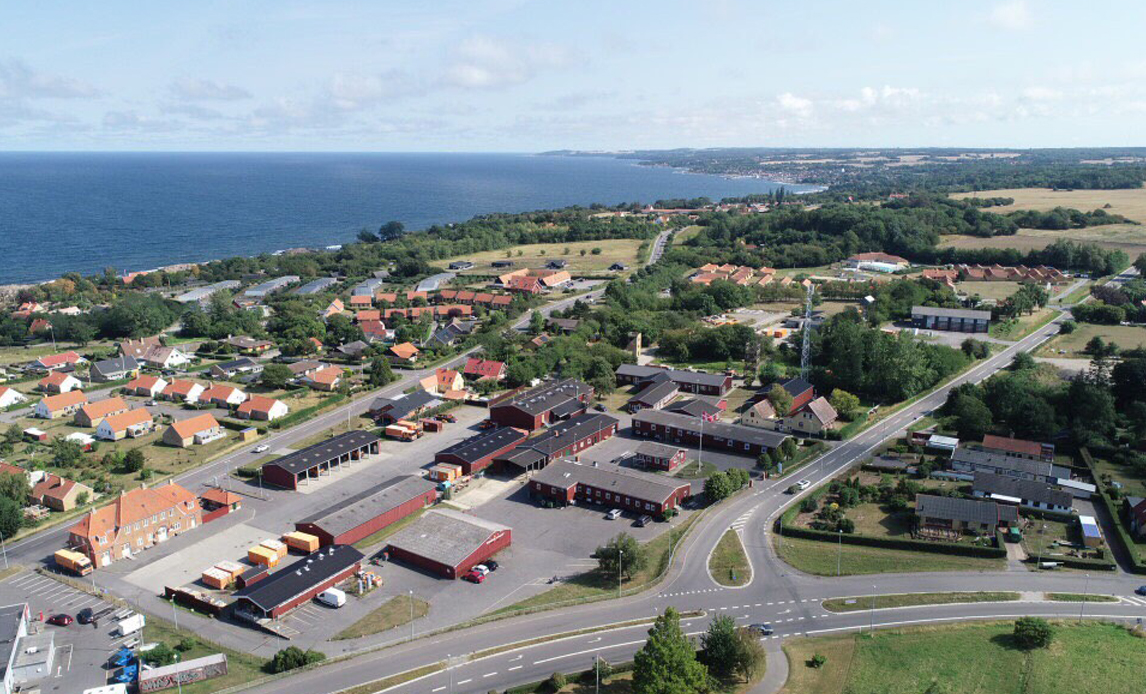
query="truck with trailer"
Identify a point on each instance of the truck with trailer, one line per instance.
(70, 560)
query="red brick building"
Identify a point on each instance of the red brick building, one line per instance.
(477, 452)
(364, 514)
(291, 586)
(545, 404)
(449, 543)
(566, 481)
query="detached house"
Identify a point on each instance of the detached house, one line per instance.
(484, 369)
(62, 405)
(55, 362)
(58, 493)
(326, 379)
(146, 386)
(59, 382)
(183, 391)
(130, 424)
(114, 369)
(262, 408)
(195, 431)
(446, 383)
(223, 396)
(135, 521)
(91, 414)
(10, 397)
(405, 353)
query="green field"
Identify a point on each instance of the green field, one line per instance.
(969, 659)
(988, 291)
(881, 602)
(1018, 328)
(395, 612)
(1071, 345)
(537, 254)
(819, 558)
(728, 564)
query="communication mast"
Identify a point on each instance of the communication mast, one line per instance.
(806, 349)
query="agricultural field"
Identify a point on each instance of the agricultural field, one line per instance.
(934, 659)
(988, 291)
(1072, 344)
(537, 254)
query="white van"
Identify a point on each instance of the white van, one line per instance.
(332, 597)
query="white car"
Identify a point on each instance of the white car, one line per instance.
(614, 514)
(481, 569)
(803, 484)
(262, 448)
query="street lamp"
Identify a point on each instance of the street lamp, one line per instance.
(411, 614)
(174, 614)
(1085, 593)
(4, 549)
(178, 678)
(620, 562)
(839, 551)
(871, 625)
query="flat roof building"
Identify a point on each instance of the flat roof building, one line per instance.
(954, 319)
(349, 520)
(322, 458)
(449, 543)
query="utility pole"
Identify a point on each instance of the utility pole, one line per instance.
(1085, 593)
(840, 551)
(4, 548)
(871, 625)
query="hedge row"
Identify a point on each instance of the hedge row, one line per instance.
(1136, 564)
(306, 412)
(1078, 563)
(893, 543)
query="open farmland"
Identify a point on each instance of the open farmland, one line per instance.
(1072, 344)
(537, 254)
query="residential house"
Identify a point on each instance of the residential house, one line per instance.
(242, 366)
(336, 307)
(134, 521)
(445, 383)
(39, 325)
(223, 396)
(451, 333)
(130, 424)
(326, 379)
(361, 301)
(376, 331)
(1134, 511)
(91, 414)
(524, 285)
(145, 386)
(62, 405)
(1019, 448)
(539, 341)
(404, 353)
(557, 264)
(250, 346)
(183, 391)
(151, 352)
(58, 493)
(59, 382)
(484, 369)
(368, 315)
(461, 265)
(302, 369)
(262, 408)
(567, 326)
(194, 431)
(56, 362)
(115, 369)
(963, 515)
(815, 419)
(10, 397)
(971, 460)
(1020, 492)
(353, 350)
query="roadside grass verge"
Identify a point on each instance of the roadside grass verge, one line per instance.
(728, 564)
(394, 680)
(1080, 597)
(592, 585)
(241, 667)
(968, 658)
(819, 558)
(880, 602)
(395, 612)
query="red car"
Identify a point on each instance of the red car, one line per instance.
(474, 577)
(60, 620)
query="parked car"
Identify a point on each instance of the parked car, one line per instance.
(150, 403)
(492, 565)
(481, 569)
(474, 577)
(1140, 590)
(614, 514)
(332, 597)
(262, 448)
(447, 417)
(763, 629)
(600, 407)
(60, 620)
(644, 520)
(85, 616)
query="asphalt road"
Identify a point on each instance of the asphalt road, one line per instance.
(778, 594)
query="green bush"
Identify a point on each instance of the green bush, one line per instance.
(291, 658)
(1033, 632)
(817, 661)
(558, 681)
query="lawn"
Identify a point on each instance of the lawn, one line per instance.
(592, 584)
(968, 659)
(728, 564)
(988, 291)
(819, 558)
(395, 612)
(241, 667)
(1041, 538)
(1080, 597)
(1017, 328)
(537, 254)
(881, 602)
(1072, 344)
(1035, 239)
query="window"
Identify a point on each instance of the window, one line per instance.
(608, 496)
(175, 526)
(747, 446)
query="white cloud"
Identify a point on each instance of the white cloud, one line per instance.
(1013, 15)
(482, 62)
(796, 105)
(19, 81)
(350, 91)
(1041, 94)
(191, 89)
(131, 120)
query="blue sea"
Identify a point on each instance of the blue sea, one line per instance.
(62, 212)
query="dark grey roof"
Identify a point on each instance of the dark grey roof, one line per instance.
(547, 396)
(641, 373)
(568, 324)
(481, 445)
(303, 575)
(316, 286)
(353, 348)
(10, 618)
(652, 449)
(400, 407)
(324, 451)
(654, 393)
(354, 510)
(237, 365)
(693, 407)
(731, 432)
(967, 510)
(565, 434)
(523, 457)
(624, 481)
(950, 312)
(567, 409)
(1027, 490)
(116, 365)
(446, 537)
(797, 386)
(999, 461)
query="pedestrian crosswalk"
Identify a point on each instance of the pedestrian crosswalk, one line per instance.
(739, 523)
(1134, 599)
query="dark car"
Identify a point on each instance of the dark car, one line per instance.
(491, 565)
(600, 407)
(60, 620)
(85, 616)
(446, 417)
(763, 629)
(1141, 590)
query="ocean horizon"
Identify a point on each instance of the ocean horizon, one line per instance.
(83, 212)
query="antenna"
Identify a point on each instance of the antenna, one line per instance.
(806, 350)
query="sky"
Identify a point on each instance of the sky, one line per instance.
(521, 76)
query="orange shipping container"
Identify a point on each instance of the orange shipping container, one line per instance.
(216, 579)
(301, 542)
(232, 568)
(263, 557)
(275, 546)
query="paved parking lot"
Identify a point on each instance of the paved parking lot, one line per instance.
(82, 651)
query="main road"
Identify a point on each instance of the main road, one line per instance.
(512, 651)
